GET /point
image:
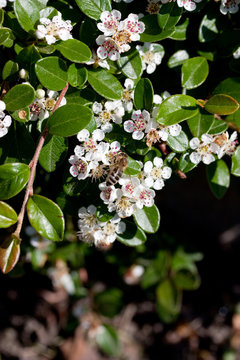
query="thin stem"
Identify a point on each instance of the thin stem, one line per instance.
(33, 164)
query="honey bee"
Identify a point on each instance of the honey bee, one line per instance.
(118, 164)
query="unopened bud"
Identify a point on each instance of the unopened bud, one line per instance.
(40, 94)
(2, 105)
(23, 74)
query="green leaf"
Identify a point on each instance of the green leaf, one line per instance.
(53, 152)
(105, 84)
(153, 31)
(73, 187)
(221, 104)
(107, 340)
(169, 15)
(46, 217)
(8, 216)
(109, 302)
(1, 16)
(19, 96)
(235, 169)
(26, 59)
(169, 300)
(4, 35)
(148, 219)
(203, 123)
(187, 280)
(143, 95)
(77, 75)
(52, 72)
(94, 8)
(82, 97)
(9, 253)
(132, 236)
(13, 178)
(208, 29)
(180, 32)
(88, 32)
(27, 13)
(133, 168)
(68, 120)
(74, 50)
(21, 115)
(10, 68)
(185, 163)
(218, 178)
(194, 72)
(48, 12)
(178, 58)
(175, 109)
(131, 64)
(229, 86)
(178, 143)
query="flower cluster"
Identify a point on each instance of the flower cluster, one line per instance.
(44, 104)
(55, 29)
(94, 231)
(151, 55)
(117, 35)
(5, 120)
(3, 3)
(209, 145)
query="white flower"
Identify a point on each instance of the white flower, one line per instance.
(230, 6)
(156, 173)
(236, 53)
(151, 55)
(203, 149)
(44, 104)
(108, 48)
(123, 205)
(145, 197)
(222, 144)
(112, 111)
(96, 61)
(3, 3)
(110, 22)
(188, 4)
(5, 122)
(128, 95)
(133, 26)
(108, 193)
(173, 130)
(53, 30)
(138, 124)
(80, 167)
(2, 105)
(108, 231)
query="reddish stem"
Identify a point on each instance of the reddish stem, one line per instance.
(33, 164)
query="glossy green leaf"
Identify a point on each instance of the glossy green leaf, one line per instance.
(208, 29)
(94, 8)
(131, 64)
(178, 143)
(143, 95)
(68, 120)
(178, 58)
(218, 178)
(1, 16)
(229, 86)
(48, 12)
(73, 187)
(217, 127)
(221, 104)
(21, 115)
(53, 152)
(52, 72)
(169, 15)
(235, 169)
(4, 35)
(148, 219)
(19, 96)
(88, 32)
(74, 50)
(77, 75)
(203, 123)
(176, 108)
(180, 32)
(194, 72)
(132, 236)
(9, 69)
(169, 300)
(153, 31)
(107, 340)
(9, 253)
(13, 178)
(8, 216)
(46, 217)
(133, 168)
(105, 84)
(27, 13)
(82, 97)
(185, 163)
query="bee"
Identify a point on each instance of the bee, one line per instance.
(118, 164)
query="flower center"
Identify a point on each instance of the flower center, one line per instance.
(127, 95)
(148, 57)
(140, 123)
(105, 116)
(81, 166)
(110, 22)
(156, 173)
(153, 8)
(109, 229)
(122, 37)
(49, 104)
(133, 26)
(35, 108)
(90, 144)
